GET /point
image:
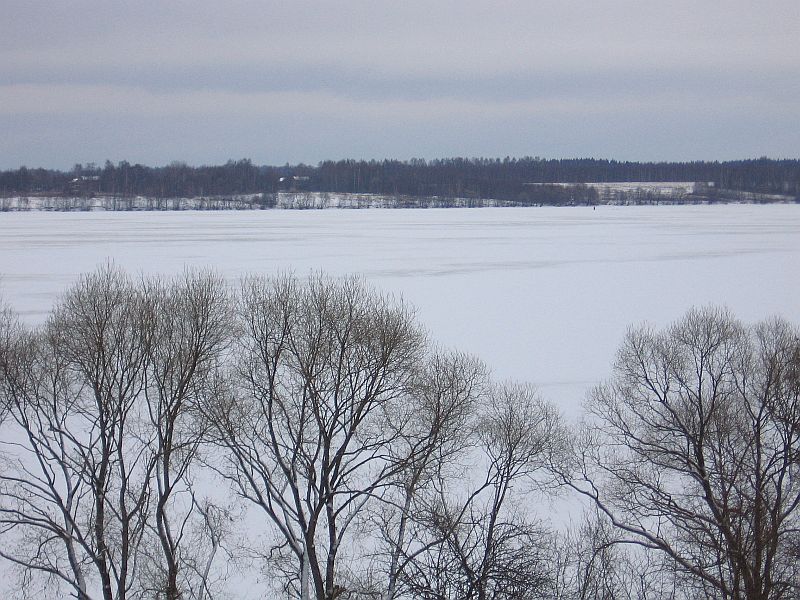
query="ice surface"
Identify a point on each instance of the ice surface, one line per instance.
(541, 294)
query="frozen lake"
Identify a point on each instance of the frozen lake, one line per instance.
(541, 294)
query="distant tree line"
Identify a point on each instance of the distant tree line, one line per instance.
(143, 418)
(480, 178)
(176, 180)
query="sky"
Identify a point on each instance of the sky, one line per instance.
(275, 81)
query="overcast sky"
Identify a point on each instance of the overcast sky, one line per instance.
(202, 81)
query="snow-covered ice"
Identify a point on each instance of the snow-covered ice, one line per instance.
(541, 294)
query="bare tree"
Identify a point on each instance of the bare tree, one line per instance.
(191, 319)
(481, 543)
(104, 429)
(104, 332)
(10, 329)
(693, 450)
(591, 561)
(44, 497)
(321, 367)
(439, 422)
(76, 482)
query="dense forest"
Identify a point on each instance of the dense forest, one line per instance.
(484, 178)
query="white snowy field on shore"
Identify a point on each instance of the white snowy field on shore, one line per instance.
(542, 295)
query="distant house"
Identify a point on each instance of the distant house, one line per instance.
(84, 185)
(292, 183)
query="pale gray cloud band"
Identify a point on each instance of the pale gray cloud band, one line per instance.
(302, 81)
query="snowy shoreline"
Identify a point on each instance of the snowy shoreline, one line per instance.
(327, 200)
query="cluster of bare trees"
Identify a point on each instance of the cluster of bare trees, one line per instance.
(372, 463)
(692, 452)
(158, 434)
(102, 427)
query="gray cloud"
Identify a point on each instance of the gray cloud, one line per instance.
(310, 80)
